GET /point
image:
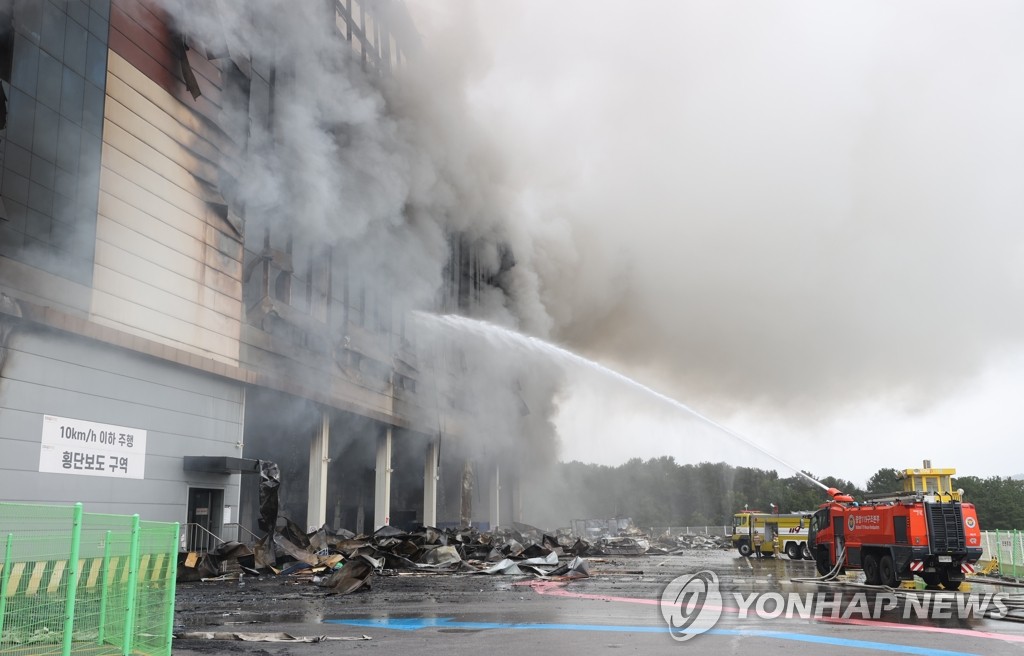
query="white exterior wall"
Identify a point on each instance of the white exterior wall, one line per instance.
(184, 412)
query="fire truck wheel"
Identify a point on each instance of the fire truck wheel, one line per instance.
(805, 551)
(887, 572)
(744, 549)
(872, 575)
(946, 582)
(931, 579)
(793, 551)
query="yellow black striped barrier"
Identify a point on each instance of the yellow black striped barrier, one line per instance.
(27, 577)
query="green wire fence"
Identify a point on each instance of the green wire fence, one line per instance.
(85, 583)
(1006, 546)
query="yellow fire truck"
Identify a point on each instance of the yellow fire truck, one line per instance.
(780, 533)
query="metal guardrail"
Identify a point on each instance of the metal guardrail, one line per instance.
(655, 531)
(241, 534)
(196, 537)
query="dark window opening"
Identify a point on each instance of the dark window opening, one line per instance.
(6, 57)
(283, 287)
(405, 383)
(6, 42)
(899, 527)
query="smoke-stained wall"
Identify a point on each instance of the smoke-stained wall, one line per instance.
(108, 285)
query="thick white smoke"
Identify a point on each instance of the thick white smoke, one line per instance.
(789, 201)
(385, 167)
(388, 165)
(793, 208)
(799, 215)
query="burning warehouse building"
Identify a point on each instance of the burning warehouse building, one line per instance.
(218, 222)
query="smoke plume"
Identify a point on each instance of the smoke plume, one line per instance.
(793, 206)
(388, 168)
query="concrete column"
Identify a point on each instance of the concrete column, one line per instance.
(319, 459)
(494, 498)
(466, 511)
(430, 478)
(382, 488)
(517, 497)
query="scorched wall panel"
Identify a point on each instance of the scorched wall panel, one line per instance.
(166, 267)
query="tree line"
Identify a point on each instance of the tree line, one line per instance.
(662, 492)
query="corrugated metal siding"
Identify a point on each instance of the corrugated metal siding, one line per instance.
(184, 414)
(166, 267)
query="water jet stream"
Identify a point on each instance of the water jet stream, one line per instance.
(492, 333)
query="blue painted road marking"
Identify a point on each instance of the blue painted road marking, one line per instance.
(416, 623)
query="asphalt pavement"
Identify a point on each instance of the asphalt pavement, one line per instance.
(734, 605)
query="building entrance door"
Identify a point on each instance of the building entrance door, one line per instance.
(205, 512)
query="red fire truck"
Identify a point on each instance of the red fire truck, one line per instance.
(924, 530)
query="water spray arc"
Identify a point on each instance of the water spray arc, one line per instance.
(494, 333)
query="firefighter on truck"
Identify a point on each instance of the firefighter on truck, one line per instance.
(925, 529)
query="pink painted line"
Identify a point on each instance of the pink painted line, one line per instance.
(557, 589)
(930, 629)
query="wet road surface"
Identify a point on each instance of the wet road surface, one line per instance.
(618, 608)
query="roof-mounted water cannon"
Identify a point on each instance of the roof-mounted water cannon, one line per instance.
(838, 496)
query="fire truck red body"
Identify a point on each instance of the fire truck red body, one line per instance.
(928, 533)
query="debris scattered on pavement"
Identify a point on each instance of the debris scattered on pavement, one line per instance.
(343, 563)
(622, 546)
(674, 544)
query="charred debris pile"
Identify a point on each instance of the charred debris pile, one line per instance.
(631, 542)
(344, 562)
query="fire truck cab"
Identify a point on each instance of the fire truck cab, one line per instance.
(924, 530)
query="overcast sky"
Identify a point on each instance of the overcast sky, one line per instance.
(802, 219)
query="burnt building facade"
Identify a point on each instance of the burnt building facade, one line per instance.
(165, 327)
